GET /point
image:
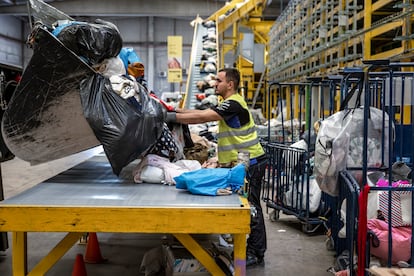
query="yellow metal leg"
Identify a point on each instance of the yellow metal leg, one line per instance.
(55, 254)
(239, 254)
(19, 262)
(200, 254)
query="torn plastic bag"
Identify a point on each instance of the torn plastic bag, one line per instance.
(44, 118)
(124, 131)
(45, 13)
(93, 42)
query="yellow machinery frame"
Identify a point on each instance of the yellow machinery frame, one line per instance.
(77, 220)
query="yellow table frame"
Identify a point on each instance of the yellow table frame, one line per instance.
(77, 220)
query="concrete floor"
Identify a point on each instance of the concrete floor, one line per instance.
(290, 251)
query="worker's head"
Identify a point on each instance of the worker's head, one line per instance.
(227, 82)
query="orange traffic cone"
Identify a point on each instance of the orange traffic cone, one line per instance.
(79, 268)
(93, 252)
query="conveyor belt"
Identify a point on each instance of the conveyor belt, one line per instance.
(194, 72)
(92, 183)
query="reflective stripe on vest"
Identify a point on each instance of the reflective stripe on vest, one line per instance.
(238, 146)
(232, 140)
(235, 132)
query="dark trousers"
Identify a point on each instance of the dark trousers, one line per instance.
(257, 242)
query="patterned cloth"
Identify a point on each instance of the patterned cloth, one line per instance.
(166, 146)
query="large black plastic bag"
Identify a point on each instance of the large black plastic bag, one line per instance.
(124, 131)
(93, 42)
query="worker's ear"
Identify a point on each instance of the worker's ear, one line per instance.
(230, 84)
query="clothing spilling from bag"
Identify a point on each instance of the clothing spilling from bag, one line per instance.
(157, 169)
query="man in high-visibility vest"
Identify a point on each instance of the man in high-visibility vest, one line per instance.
(236, 133)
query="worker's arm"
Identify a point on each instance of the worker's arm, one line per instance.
(184, 110)
(194, 116)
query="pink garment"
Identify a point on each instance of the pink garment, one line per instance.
(384, 183)
(401, 241)
(342, 273)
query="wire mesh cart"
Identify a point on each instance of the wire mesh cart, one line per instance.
(387, 236)
(368, 220)
(289, 186)
(345, 219)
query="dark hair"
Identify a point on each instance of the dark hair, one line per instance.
(232, 74)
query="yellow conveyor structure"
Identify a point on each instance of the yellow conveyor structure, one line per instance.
(233, 14)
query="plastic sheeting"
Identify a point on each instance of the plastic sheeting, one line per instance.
(44, 120)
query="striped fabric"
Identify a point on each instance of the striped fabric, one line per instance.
(398, 203)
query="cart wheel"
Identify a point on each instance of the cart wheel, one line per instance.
(308, 228)
(274, 215)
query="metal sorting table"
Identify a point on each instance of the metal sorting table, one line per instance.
(90, 198)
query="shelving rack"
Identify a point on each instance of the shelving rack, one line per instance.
(318, 38)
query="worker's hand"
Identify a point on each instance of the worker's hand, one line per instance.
(171, 117)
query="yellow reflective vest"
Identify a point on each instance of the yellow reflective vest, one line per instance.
(232, 140)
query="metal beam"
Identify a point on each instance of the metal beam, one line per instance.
(120, 8)
(138, 8)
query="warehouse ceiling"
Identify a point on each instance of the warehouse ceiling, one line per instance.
(184, 9)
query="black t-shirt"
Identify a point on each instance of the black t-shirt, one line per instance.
(233, 113)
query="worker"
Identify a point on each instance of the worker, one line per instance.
(236, 133)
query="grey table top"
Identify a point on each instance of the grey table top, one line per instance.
(92, 183)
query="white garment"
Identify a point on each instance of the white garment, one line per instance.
(124, 86)
(171, 170)
(111, 67)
